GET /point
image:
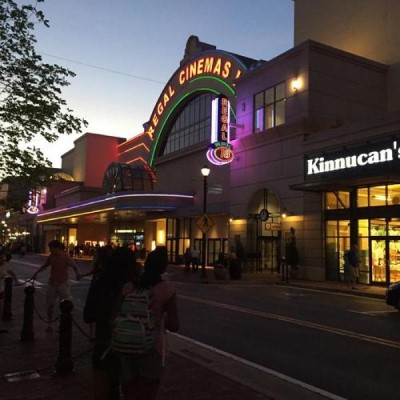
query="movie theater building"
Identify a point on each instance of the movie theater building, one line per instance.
(302, 141)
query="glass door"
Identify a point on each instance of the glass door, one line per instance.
(379, 260)
(394, 260)
(269, 254)
(385, 257)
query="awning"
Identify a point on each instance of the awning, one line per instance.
(125, 204)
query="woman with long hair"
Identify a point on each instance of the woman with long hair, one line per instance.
(120, 269)
(141, 373)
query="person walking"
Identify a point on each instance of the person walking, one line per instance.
(58, 284)
(352, 260)
(100, 264)
(103, 301)
(195, 255)
(187, 258)
(141, 374)
(232, 262)
(5, 271)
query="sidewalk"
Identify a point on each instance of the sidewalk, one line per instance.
(193, 371)
(177, 273)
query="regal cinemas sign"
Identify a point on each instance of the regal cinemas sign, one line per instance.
(382, 155)
(214, 65)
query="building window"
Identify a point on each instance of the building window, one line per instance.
(269, 108)
(192, 126)
(337, 200)
(337, 242)
(376, 196)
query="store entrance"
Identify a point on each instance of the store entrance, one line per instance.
(385, 256)
(268, 248)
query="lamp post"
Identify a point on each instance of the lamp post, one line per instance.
(205, 171)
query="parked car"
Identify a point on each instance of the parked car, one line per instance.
(393, 295)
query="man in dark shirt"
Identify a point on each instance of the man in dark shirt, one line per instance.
(353, 261)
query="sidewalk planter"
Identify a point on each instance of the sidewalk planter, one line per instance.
(220, 272)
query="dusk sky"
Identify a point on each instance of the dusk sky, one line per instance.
(124, 51)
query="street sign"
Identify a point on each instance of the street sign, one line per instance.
(215, 188)
(205, 223)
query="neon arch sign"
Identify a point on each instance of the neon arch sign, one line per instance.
(210, 71)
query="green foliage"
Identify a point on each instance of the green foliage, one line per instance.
(31, 105)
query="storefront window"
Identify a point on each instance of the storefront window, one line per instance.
(387, 195)
(377, 196)
(394, 227)
(363, 251)
(394, 194)
(337, 200)
(362, 197)
(337, 242)
(378, 227)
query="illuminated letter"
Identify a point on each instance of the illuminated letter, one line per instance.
(182, 77)
(340, 163)
(329, 166)
(200, 65)
(351, 161)
(227, 69)
(362, 159)
(160, 108)
(217, 68)
(155, 120)
(312, 167)
(209, 64)
(386, 155)
(192, 71)
(166, 99)
(171, 91)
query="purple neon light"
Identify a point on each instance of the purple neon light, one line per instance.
(114, 197)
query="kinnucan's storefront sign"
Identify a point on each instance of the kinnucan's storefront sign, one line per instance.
(381, 156)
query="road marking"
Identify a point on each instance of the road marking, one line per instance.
(373, 312)
(261, 368)
(312, 325)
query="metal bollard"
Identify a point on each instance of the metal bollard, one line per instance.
(27, 332)
(7, 314)
(65, 363)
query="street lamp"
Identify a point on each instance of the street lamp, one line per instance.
(205, 171)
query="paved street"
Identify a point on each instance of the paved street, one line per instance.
(326, 341)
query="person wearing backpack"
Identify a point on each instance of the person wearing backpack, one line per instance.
(100, 308)
(142, 359)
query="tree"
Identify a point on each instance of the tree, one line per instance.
(31, 105)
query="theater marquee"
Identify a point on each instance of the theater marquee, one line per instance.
(211, 71)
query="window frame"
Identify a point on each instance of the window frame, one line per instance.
(262, 104)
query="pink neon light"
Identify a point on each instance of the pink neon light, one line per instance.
(217, 161)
